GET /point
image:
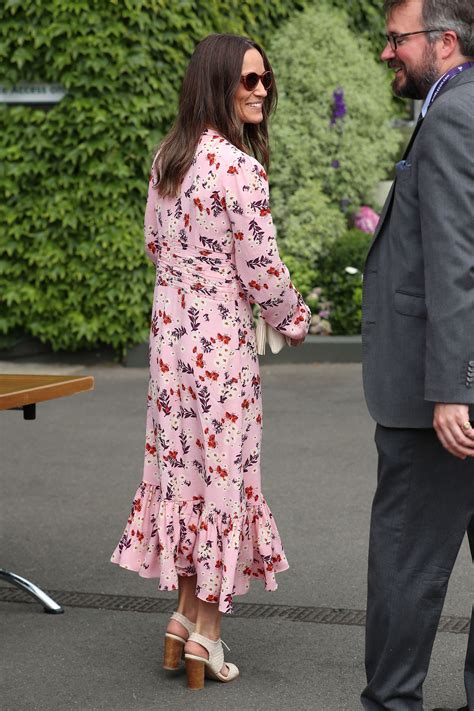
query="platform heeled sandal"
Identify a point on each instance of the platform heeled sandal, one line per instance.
(197, 667)
(174, 644)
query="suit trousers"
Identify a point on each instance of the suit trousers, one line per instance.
(423, 506)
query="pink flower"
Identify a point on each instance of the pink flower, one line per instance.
(366, 219)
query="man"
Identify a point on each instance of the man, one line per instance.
(418, 341)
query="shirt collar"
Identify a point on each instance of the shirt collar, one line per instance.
(425, 106)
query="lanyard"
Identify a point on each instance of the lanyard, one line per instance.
(448, 76)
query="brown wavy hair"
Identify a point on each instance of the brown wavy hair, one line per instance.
(207, 101)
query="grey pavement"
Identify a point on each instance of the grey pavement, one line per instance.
(67, 480)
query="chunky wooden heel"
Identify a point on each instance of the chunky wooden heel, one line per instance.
(195, 673)
(174, 643)
(173, 652)
(197, 667)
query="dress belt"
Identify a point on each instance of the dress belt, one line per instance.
(200, 282)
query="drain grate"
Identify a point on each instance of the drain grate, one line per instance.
(128, 603)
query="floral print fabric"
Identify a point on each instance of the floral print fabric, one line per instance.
(199, 509)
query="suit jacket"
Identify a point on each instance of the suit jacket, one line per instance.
(418, 303)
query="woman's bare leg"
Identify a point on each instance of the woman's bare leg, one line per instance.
(208, 623)
(187, 605)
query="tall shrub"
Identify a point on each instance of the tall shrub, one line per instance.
(74, 178)
(342, 289)
(332, 138)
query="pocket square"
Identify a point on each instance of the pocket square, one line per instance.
(402, 165)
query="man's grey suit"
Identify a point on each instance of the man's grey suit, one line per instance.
(418, 350)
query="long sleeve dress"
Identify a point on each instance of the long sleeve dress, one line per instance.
(199, 509)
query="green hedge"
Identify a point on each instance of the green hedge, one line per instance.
(343, 290)
(366, 19)
(73, 179)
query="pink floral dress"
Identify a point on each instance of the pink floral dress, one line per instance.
(200, 509)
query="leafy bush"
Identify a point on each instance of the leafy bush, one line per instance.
(74, 178)
(366, 19)
(343, 290)
(332, 139)
(302, 274)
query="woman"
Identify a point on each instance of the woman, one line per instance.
(199, 521)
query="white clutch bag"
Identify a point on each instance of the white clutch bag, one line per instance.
(266, 334)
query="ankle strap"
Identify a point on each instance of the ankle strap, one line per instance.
(207, 643)
(187, 624)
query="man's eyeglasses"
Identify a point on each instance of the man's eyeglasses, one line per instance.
(250, 80)
(394, 40)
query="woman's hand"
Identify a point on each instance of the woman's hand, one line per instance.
(294, 343)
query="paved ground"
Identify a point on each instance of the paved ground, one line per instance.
(67, 481)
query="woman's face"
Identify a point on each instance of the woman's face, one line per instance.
(249, 104)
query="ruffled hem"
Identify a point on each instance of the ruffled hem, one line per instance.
(166, 538)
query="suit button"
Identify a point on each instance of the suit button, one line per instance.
(471, 363)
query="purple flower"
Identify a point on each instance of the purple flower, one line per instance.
(366, 219)
(335, 164)
(339, 106)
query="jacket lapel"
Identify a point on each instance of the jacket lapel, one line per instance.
(389, 200)
(413, 137)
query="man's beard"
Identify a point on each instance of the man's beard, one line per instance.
(417, 82)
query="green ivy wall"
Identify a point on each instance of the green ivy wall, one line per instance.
(73, 179)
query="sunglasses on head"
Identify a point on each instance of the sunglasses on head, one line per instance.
(251, 80)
